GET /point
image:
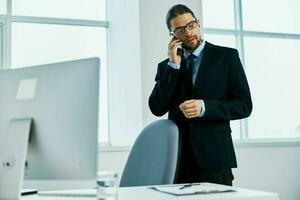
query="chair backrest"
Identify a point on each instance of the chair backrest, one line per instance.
(153, 157)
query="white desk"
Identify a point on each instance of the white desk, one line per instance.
(143, 193)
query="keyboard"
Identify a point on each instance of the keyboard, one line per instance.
(70, 193)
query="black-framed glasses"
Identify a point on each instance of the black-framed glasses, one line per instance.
(180, 30)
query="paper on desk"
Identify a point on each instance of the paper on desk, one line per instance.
(194, 189)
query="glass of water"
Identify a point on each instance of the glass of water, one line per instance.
(107, 188)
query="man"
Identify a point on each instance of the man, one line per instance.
(202, 87)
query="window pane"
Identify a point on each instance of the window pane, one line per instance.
(222, 40)
(272, 15)
(41, 43)
(273, 72)
(74, 9)
(2, 7)
(34, 44)
(218, 14)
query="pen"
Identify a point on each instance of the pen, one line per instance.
(188, 185)
(28, 192)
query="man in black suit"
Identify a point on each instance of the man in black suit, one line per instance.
(202, 87)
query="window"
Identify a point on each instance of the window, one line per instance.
(274, 16)
(218, 14)
(226, 40)
(268, 41)
(273, 70)
(67, 9)
(34, 44)
(40, 32)
(2, 7)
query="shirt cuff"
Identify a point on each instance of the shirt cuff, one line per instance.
(173, 65)
(203, 108)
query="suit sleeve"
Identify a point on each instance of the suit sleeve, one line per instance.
(166, 80)
(238, 104)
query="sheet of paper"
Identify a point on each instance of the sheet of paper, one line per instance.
(190, 189)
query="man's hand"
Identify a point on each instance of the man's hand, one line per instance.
(172, 51)
(191, 108)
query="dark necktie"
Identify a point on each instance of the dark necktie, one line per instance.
(190, 66)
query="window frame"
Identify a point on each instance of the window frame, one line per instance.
(1, 44)
(240, 34)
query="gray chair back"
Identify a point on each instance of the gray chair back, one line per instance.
(153, 157)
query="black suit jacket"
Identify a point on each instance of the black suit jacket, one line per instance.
(222, 84)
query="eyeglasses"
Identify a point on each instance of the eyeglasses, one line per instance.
(180, 30)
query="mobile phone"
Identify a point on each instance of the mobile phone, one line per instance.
(178, 46)
(179, 50)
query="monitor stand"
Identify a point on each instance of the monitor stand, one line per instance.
(13, 152)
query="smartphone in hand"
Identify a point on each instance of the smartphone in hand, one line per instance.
(178, 47)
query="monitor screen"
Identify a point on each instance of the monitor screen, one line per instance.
(62, 101)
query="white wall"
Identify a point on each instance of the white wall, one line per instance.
(275, 169)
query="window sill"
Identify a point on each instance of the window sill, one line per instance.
(105, 149)
(237, 143)
(266, 143)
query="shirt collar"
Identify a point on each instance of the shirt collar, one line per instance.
(196, 52)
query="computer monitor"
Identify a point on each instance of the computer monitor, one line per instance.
(61, 100)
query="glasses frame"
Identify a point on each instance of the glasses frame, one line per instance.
(172, 33)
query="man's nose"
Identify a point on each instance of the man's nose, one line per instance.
(187, 32)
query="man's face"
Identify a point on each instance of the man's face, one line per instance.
(190, 38)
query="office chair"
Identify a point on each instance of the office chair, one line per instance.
(153, 157)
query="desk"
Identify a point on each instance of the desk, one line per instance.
(143, 193)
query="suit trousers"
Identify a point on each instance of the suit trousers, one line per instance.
(190, 171)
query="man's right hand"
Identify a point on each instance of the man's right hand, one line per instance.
(172, 51)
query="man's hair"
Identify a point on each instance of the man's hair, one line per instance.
(176, 10)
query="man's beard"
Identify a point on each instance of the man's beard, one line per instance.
(185, 46)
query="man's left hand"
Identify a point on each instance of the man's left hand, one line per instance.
(191, 108)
